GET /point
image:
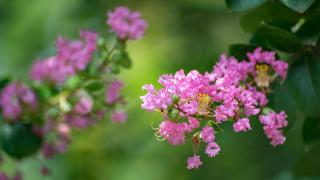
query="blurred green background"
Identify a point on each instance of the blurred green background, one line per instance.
(182, 34)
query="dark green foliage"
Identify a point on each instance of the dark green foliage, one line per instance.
(298, 5)
(19, 141)
(311, 131)
(270, 13)
(279, 38)
(303, 79)
(239, 51)
(241, 5)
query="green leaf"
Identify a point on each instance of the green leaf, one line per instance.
(279, 38)
(93, 85)
(241, 5)
(280, 100)
(298, 5)
(256, 40)
(18, 140)
(309, 163)
(271, 13)
(173, 113)
(304, 83)
(72, 82)
(311, 130)
(4, 81)
(240, 51)
(121, 58)
(310, 29)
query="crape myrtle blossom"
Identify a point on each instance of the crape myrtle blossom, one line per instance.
(196, 104)
(272, 126)
(71, 57)
(194, 162)
(16, 97)
(126, 24)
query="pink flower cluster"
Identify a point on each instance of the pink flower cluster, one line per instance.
(228, 93)
(126, 24)
(272, 125)
(16, 98)
(268, 57)
(71, 57)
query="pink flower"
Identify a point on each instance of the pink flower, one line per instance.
(79, 121)
(193, 124)
(126, 24)
(119, 117)
(273, 123)
(212, 149)
(194, 162)
(4, 176)
(174, 133)
(281, 68)
(242, 125)
(84, 105)
(71, 57)
(15, 98)
(275, 135)
(207, 134)
(112, 93)
(268, 57)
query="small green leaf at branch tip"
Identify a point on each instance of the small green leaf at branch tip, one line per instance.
(175, 99)
(94, 85)
(266, 110)
(242, 5)
(173, 113)
(102, 44)
(298, 5)
(121, 58)
(215, 126)
(72, 82)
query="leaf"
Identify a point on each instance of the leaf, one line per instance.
(298, 5)
(280, 100)
(311, 27)
(271, 13)
(19, 141)
(304, 83)
(309, 163)
(256, 40)
(240, 51)
(93, 85)
(311, 130)
(241, 5)
(4, 81)
(122, 59)
(279, 38)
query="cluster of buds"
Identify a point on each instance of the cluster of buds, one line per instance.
(71, 90)
(196, 104)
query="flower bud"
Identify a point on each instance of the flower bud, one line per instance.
(175, 99)
(173, 113)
